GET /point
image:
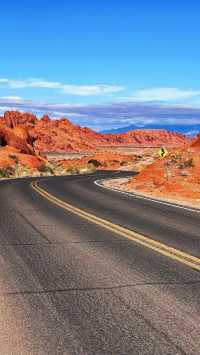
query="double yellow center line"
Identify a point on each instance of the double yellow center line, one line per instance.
(161, 248)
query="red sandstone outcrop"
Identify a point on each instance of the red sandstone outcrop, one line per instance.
(175, 177)
(13, 118)
(11, 157)
(8, 137)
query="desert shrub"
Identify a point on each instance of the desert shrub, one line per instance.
(124, 163)
(72, 170)
(46, 169)
(6, 172)
(175, 158)
(14, 157)
(95, 162)
(186, 163)
(91, 168)
(189, 162)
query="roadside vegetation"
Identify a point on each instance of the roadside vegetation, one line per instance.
(18, 170)
(6, 172)
(182, 162)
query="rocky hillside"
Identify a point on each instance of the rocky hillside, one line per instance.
(176, 177)
(47, 135)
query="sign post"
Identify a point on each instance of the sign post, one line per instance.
(163, 152)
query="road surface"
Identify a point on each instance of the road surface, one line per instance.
(72, 284)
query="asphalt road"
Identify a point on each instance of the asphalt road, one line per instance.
(70, 286)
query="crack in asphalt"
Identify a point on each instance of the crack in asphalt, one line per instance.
(149, 324)
(87, 289)
(33, 227)
(66, 243)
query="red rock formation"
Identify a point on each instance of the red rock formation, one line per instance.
(13, 118)
(8, 137)
(146, 138)
(24, 135)
(61, 135)
(31, 161)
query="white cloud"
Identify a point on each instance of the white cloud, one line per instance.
(65, 106)
(79, 90)
(4, 108)
(7, 108)
(11, 99)
(91, 90)
(164, 94)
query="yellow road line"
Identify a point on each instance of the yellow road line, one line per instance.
(161, 248)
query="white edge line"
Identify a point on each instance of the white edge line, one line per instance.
(99, 183)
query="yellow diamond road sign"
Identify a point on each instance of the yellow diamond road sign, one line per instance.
(163, 152)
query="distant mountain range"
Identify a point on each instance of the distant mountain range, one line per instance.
(188, 130)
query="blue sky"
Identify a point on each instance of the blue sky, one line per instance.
(86, 54)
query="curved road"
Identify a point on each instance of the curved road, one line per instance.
(71, 285)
